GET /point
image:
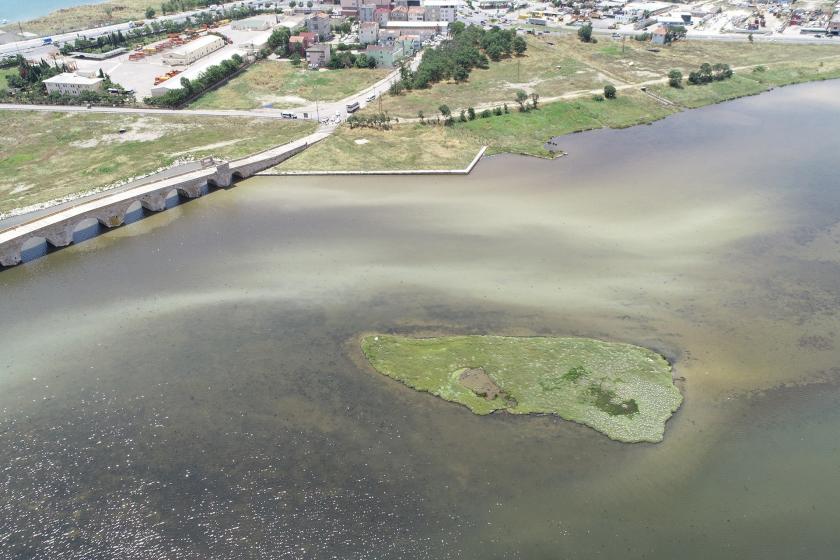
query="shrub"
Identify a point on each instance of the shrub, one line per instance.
(609, 91)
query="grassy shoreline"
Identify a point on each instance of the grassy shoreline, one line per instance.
(526, 133)
(86, 16)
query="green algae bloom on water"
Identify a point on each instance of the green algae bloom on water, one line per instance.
(624, 391)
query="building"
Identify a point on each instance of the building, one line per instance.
(441, 10)
(72, 84)
(318, 55)
(400, 13)
(320, 25)
(424, 29)
(258, 23)
(192, 51)
(382, 16)
(349, 7)
(366, 12)
(659, 35)
(386, 56)
(302, 41)
(416, 13)
(834, 24)
(368, 33)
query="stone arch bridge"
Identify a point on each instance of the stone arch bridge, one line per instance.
(110, 210)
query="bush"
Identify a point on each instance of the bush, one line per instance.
(585, 33)
(675, 78)
(486, 114)
(609, 91)
(597, 97)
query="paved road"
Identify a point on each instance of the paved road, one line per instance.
(255, 113)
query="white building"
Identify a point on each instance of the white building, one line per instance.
(72, 84)
(441, 10)
(257, 23)
(192, 51)
(368, 33)
(417, 27)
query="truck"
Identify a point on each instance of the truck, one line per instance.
(352, 107)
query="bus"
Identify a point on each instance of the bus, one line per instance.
(352, 107)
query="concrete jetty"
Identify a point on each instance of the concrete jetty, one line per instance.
(57, 228)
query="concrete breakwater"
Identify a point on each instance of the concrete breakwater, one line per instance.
(57, 228)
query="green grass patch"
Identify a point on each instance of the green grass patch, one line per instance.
(54, 155)
(410, 146)
(621, 390)
(282, 85)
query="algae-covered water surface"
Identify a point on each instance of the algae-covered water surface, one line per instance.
(190, 386)
(622, 390)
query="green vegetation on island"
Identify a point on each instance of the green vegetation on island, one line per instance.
(621, 390)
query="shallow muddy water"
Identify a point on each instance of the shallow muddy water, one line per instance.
(189, 386)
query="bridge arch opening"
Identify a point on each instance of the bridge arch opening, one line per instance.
(134, 212)
(86, 229)
(33, 248)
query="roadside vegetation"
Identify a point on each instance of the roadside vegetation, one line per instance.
(191, 88)
(620, 390)
(57, 154)
(280, 84)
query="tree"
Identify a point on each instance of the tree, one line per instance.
(279, 38)
(519, 46)
(456, 27)
(471, 113)
(750, 38)
(461, 73)
(585, 33)
(421, 116)
(309, 3)
(295, 59)
(463, 117)
(609, 91)
(675, 78)
(521, 98)
(445, 111)
(150, 12)
(535, 97)
(292, 3)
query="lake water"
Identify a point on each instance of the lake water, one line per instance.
(18, 10)
(189, 386)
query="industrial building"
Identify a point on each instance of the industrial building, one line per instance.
(192, 51)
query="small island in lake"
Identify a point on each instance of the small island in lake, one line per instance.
(624, 391)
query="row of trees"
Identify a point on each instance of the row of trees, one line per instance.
(469, 47)
(346, 59)
(710, 73)
(191, 88)
(381, 121)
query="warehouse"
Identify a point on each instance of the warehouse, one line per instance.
(193, 50)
